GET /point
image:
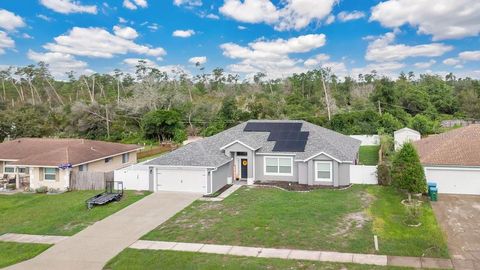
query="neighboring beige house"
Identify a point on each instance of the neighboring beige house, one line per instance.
(452, 160)
(37, 162)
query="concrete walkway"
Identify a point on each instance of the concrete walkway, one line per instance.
(32, 238)
(98, 243)
(294, 254)
(224, 194)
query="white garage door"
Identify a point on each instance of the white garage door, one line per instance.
(181, 180)
(455, 180)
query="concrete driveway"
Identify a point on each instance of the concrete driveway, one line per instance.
(459, 216)
(93, 247)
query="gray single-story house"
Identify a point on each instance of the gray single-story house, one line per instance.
(258, 150)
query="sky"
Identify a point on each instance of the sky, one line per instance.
(244, 37)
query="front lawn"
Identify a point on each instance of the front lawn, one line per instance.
(11, 253)
(131, 259)
(368, 154)
(60, 214)
(338, 220)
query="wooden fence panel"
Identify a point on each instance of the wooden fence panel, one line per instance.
(89, 180)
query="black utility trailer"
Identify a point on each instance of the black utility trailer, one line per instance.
(110, 195)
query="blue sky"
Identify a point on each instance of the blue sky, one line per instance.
(244, 36)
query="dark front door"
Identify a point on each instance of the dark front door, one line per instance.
(244, 168)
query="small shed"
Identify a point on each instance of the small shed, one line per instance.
(404, 135)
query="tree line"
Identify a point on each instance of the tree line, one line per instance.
(151, 105)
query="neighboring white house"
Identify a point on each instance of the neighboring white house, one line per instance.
(404, 135)
(452, 160)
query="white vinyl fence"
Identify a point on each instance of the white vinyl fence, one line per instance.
(362, 174)
(367, 139)
(135, 177)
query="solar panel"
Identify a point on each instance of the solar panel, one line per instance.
(288, 137)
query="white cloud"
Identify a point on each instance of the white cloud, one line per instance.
(424, 65)
(470, 55)
(389, 69)
(153, 27)
(443, 19)
(183, 33)
(241, 27)
(26, 36)
(330, 19)
(316, 60)
(295, 14)
(212, 16)
(5, 42)
(250, 11)
(345, 16)
(125, 32)
(97, 42)
(122, 20)
(451, 61)
(171, 70)
(382, 49)
(188, 3)
(9, 21)
(271, 56)
(59, 63)
(44, 17)
(68, 6)
(198, 59)
(134, 4)
(129, 5)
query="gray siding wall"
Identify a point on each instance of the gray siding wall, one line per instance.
(302, 173)
(260, 175)
(340, 172)
(229, 151)
(343, 174)
(219, 177)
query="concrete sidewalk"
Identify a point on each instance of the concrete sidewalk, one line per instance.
(32, 238)
(325, 256)
(98, 243)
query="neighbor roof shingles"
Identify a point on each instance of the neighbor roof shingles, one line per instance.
(207, 153)
(459, 147)
(54, 152)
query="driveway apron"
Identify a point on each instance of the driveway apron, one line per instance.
(459, 216)
(93, 247)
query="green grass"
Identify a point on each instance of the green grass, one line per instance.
(149, 157)
(397, 238)
(11, 253)
(338, 220)
(131, 259)
(60, 214)
(369, 154)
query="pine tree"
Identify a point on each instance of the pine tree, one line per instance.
(407, 172)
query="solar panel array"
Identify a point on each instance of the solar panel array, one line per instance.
(288, 137)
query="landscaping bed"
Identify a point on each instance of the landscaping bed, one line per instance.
(60, 214)
(293, 186)
(131, 259)
(322, 219)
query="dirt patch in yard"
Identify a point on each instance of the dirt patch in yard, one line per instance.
(352, 221)
(184, 220)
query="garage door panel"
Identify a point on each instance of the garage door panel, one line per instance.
(455, 181)
(181, 180)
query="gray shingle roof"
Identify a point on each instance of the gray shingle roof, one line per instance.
(207, 153)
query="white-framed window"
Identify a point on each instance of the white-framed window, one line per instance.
(50, 174)
(83, 168)
(22, 170)
(7, 168)
(108, 159)
(125, 157)
(323, 171)
(278, 166)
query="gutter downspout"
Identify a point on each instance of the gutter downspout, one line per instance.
(211, 180)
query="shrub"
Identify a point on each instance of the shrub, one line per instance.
(42, 189)
(407, 172)
(383, 174)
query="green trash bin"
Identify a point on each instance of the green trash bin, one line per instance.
(433, 194)
(431, 185)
